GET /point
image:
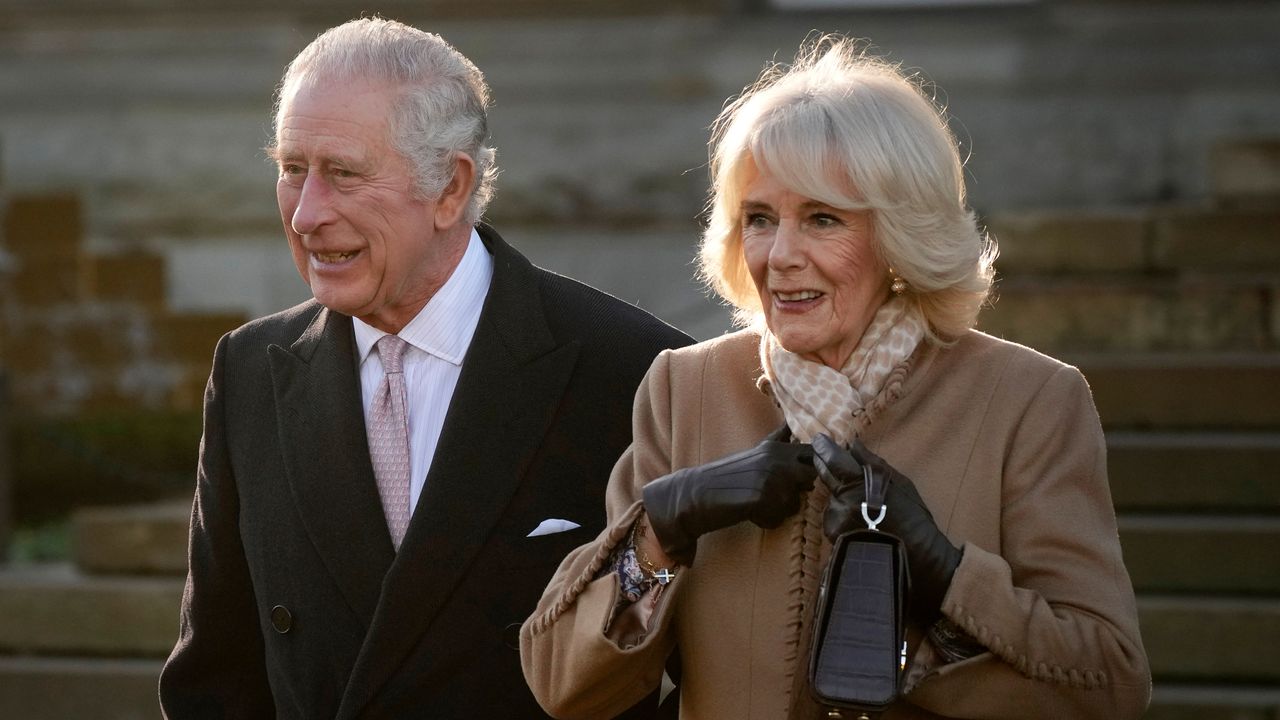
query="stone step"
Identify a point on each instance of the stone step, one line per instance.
(1135, 313)
(1211, 639)
(1194, 471)
(1174, 701)
(41, 688)
(133, 539)
(1220, 391)
(1246, 172)
(1202, 554)
(1144, 240)
(54, 610)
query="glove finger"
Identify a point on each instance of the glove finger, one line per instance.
(834, 465)
(833, 484)
(804, 455)
(782, 434)
(864, 456)
(803, 481)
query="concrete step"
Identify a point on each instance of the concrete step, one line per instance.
(54, 610)
(36, 688)
(1199, 391)
(1194, 471)
(1173, 701)
(1211, 639)
(134, 539)
(1203, 554)
(1137, 313)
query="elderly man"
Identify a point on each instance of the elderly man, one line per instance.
(390, 472)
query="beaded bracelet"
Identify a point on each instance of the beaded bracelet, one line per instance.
(662, 575)
(952, 642)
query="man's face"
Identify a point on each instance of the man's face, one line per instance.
(361, 238)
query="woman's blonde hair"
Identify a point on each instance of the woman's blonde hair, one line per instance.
(854, 132)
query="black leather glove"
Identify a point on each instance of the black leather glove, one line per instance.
(764, 485)
(931, 557)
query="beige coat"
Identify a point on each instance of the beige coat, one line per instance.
(1006, 449)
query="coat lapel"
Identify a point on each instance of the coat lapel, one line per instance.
(512, 379)
(322, 437)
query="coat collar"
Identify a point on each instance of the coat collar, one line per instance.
(512, 379)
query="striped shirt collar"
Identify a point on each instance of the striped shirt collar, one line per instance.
(445, 325)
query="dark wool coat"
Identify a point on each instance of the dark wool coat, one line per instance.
(296, 605)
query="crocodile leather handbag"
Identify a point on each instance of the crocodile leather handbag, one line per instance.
(859, 649)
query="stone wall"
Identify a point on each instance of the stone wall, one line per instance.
(154, 115)
(141, 220)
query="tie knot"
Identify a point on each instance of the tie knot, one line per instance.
(391, 351)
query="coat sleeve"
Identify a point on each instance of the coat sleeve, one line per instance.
(574, 670)
(217, 667)
(1055, 607)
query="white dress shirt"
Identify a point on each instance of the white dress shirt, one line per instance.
(438, 338)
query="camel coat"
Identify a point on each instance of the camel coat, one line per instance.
(1005, 447)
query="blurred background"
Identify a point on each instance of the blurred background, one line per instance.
(1126, 155)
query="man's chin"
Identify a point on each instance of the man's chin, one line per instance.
(341, 302)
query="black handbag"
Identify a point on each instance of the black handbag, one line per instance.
(859, 643)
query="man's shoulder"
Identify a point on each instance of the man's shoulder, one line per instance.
(281, 327)
(596, 312)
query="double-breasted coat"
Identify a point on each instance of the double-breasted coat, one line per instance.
(296, 604)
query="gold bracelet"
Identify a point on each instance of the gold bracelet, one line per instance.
(662, 575)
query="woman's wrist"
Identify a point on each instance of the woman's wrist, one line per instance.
(649, 553)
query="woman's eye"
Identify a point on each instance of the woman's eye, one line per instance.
(755, 220)
(823, 220)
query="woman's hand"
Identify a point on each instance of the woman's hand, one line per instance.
(931, 557)
(764, 485)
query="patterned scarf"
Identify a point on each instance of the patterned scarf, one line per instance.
(817, 399)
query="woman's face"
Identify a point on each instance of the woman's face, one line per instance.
(819, 279)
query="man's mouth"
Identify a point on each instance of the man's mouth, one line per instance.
(333, 258)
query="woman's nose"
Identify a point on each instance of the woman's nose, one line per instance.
(788, 247)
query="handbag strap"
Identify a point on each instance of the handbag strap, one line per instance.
(874, 507)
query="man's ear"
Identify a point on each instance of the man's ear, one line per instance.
(451, 207)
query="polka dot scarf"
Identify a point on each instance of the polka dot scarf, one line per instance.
(817, 399)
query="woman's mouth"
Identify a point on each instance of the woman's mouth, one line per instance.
(798, 296)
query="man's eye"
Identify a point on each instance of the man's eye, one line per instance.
(343, 173)
(292, 169)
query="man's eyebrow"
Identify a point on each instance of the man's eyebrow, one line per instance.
(275, 153)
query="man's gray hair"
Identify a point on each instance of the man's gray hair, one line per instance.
(442, 105)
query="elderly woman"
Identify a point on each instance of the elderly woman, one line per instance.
(839, 230)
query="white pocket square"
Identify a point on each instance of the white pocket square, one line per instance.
(550, 526)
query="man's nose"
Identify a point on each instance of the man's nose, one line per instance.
(314, 207)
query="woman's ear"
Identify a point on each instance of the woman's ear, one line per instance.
(451, 207)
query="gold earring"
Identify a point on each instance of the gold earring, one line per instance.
(899, 285)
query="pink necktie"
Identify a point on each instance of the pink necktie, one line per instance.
(389, 437)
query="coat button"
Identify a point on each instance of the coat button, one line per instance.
(281, 619)
(511, 636)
